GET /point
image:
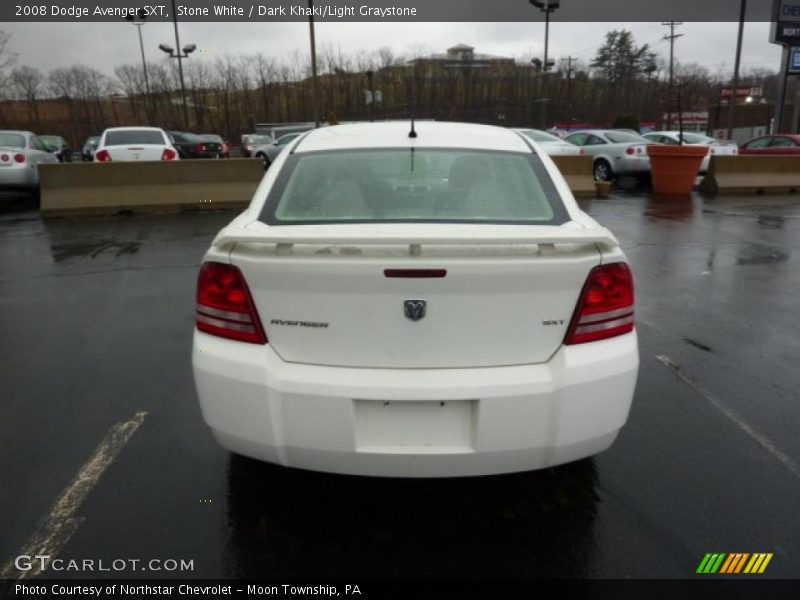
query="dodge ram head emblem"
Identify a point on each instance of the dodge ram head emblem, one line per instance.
(414, 309)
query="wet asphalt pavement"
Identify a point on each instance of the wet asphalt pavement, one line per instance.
(96, 316)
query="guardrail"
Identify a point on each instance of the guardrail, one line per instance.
(157, 186)
(579, 173)
(745, 174)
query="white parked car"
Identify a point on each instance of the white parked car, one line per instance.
(21, 153)
(425, 306)
(716, 147)
(615, 152)
(134, 143)
(552, 144)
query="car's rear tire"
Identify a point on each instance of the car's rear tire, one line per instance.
(264, 158)
(602, 170)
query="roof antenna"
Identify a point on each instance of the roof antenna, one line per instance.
(413, 133)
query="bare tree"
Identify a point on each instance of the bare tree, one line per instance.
(28, 83)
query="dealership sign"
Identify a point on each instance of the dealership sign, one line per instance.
(785, 22)
(741, 92)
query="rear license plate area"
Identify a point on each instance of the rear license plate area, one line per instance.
(415, 427)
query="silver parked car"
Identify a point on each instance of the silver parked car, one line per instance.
(269, 152)
(615, 152)
(21, 153)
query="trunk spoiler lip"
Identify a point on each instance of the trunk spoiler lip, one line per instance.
(546, 235)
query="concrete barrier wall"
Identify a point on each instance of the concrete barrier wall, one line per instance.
(98, 188)
(745, 174)
(579, 173)
(92, 188)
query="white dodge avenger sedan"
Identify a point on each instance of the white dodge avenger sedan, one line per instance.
(415, 303)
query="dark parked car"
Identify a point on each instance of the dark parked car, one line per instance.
(191, 145)
(89, 147)
(57, 145)
(217, 139)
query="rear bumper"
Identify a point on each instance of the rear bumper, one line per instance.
(19, 177)
(415, 422)
(631, 165)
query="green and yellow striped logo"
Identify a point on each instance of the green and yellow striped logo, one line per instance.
(734, 563)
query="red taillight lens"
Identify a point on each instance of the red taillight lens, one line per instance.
(629, 150)
(4, 157)
(168, 154)
(224, 305)
(605, 308)
(102, 156)
(20, 158)
(202, 147)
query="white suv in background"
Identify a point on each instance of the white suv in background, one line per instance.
(134, 144)
(425, 302)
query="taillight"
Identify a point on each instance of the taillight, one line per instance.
(224, 305)
(4, 157)
(605, 308)
(20, 158)
(202, 147)
(102, 156)
(168, 154)
(629, 150)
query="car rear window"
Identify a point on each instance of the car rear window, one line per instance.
(540, 136)
(134, 136)
(696, 138)
(12, 139)
(51, 142)
(623, 137)
(413, 185)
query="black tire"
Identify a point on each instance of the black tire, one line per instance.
(264, 158)
(602, 170)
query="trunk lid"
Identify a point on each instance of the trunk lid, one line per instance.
(324, 296)
(136, 152)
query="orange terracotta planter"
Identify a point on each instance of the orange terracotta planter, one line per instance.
(674, 168)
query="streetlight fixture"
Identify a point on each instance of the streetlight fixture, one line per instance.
(138, 19)
(547, 7)
(180, 55)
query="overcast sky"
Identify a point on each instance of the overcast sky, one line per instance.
(104, 45)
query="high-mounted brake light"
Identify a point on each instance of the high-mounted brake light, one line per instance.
(169, 154)
(103, 156)
(605, 307)
(225, 307)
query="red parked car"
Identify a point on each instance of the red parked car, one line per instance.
(777, 143)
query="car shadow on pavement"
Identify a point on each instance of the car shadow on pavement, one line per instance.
(291, 523)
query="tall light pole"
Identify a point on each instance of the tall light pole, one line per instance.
(138, 19)
(671, 37)
(180, 54)
(742, 11)
(314, 92)
(547, 7)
